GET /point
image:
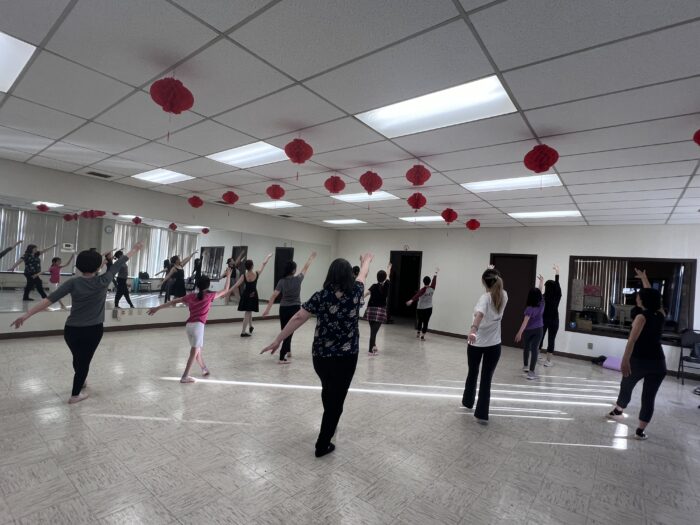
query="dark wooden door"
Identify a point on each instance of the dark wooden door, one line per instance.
(405, 281)
(282, 257)
(519, 272)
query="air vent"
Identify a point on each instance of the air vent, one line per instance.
(101, 175)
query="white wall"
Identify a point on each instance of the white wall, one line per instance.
(463, 255)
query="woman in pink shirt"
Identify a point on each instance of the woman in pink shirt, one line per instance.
(55, 274)
(199, 304)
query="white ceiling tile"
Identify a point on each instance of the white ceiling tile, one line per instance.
(462, 203)
(695, 181)
(639, 210)
(501, 171)
(131, 41)
(30, 20)
(689, 201)
(199, 185)
(557, 223)
(436, 179)
(653, 102)
(119, 166)
(101, 138)
(139, 115)
(387, 170)
(206, 137)
(526, 31)
(71, 153)
(130, 181)
(218, 193)
(314, 180)
(497, 130)
(287, 169)
(632, 195)
(468, 5)
(587, 207)
(200, 167)
(74, 89)
(19, 156)
(342, 133)
(684, 220)
(27, 116)
(442, 58)
(20, 141)
(628, 157)
(294, 35)
(361, 155)
(225, 76)
(614, 221)
(170, 190)
(491, 155)
(236, 178)
(495, 196)
(516, 202)
(648, 59)
(640, 185)
(46, 162)
(222, 14)
(691, 193)
(633, 173)
(157, 155)
(284, 112)
(435, 191)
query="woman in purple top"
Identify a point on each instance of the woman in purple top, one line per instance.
(531, 328)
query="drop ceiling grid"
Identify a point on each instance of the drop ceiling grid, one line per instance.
(230, 36)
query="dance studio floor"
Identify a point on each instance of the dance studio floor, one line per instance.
(238, 448)
(11, 301)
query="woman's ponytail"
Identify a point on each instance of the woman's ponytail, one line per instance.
(496, 291)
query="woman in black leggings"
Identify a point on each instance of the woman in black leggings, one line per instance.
(550, 318)
(644, 358)
(122, 286)
(32, 269)
(376, 307)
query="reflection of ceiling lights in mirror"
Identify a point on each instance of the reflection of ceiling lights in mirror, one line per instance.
(162, 176)
(49, 204)
(273, 205)
(423, 218)
(364, 197)
(344, 221)
(196, 227)
(545, 214)
(127, 216)
(548, 180)
(456, 105)
(256, 154)
(14, 55)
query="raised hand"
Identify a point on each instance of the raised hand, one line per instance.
(556, 269)
(641, 274)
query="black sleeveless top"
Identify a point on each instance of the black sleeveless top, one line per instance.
(648, 345)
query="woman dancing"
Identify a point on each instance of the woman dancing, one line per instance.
(424, 308)
(55, 274)
(249, 302)
(233, 265)
(32, 270)
(531, 329)
(336, 340)
(164, 283)
(644, 358)
(550, 318)
(122, 289)
(177, 273)
(485, 343)
(83, 330)
(9, 249)
(290, 289)
(199, 304)
(376, 308)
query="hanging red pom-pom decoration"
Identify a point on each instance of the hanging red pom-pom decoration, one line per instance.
(115, 213)
(298, 151)
(172, 226)
(417, 201)
(136, 220)
(100, 213)
(334, 184)
(76, 216)
(195, 201)
(540, 158)
(449, 215)
(473, 224)
(43, 207)
(68, 217)
(275, 191)
(205, 230)
(371, 182)
(85, 214)
(171, 95)
(418, 175)
(696, 137)
(230, 197)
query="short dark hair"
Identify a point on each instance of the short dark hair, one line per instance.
(340, 277)
(534, 297)
(118, 254)
(651, 299)
(30, 249)
(88, 261)
(381, 276)
(426, 280)
(356, 270)
(203, 284)
(174, 259)
(249, 264)
(55, 260)
(290, 268)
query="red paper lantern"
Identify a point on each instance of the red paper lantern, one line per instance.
(99, 213)
(205, 230)
(172, 226)
(298, 151)
(371, 182)
(275, 191)
(43, 207)
(136, 220)
(449, 215)
(85, 214)
(418, 175)
(229, 197)
(171, 95)
(696, 137)
(540, 158)
(417, 201)
(195, 201)
(473, 224)
(68, 217)
(76, 216)
(334, 184)
(115, 213)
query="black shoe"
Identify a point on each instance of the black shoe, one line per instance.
(245, 335)
(27, 299)
(251, 329)
(466, 406)
(322, 452)
(640, 434)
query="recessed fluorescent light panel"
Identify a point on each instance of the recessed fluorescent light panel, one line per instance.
(423, 218)
(364, 197)
(472, 101)
(14, 55)
(548, 180)
(545, 214)
(274, 205)
(345, 221)
(251, 155)
(127, 216)
(195, 227)
(161, 176)
(49, 204)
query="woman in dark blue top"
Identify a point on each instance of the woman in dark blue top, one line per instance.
(32, 270)
(336, 340)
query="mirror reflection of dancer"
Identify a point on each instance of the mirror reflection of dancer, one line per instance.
(9, 249)
(177, 273)
(290, 289)
(376, 307)
(336, 340)
(55, 274)
(32, 269)
(83, 329)
(164, 284)
(199, 304)
(122, 286)
(233, 264)
(552, 297)
(249, 302)
(424, 308)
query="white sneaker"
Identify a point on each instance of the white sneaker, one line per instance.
(531, 376)
(548, 362)
(77, 399)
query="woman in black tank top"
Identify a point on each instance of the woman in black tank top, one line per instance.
(644, 358)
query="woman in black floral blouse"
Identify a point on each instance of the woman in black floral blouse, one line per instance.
(336, 340)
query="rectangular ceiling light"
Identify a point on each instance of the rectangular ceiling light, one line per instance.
(518, 183)
(49, 204)
(14, 55)
(127, 216)
(273, 205)
(345, 221)
(195, 227)
(545, 214)
(364, 197)
(472, 101)
(423, 218)
(251, 155)
(161, 176)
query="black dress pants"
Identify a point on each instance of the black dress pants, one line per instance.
(374, 327)
(652, 373)
(422, 319)
(82, 341)
(550, 329)
(33, 282)
(335, 374)
(286, 314)
(490, 355)
(122, 291)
